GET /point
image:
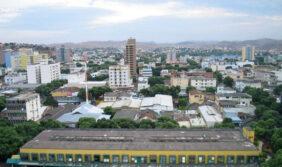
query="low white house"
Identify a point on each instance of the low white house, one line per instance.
(201, 83)
(210, 115)
(158, 103)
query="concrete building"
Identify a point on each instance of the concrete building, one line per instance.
(23, 107)
(142, 83)
(15, 78)
(210, 115)
(158, 103)
(248, 53)
(43, 73)
(146, 72)
(120, 147)
(130, 56)
(265, 76)
(197, 97)
(222, 89)
(66, 95)
(171, 57)
(75, 77)
(119, 76)
(181, 81)
(201, 83)
(241, 84)
(64, 54)
(241, 99)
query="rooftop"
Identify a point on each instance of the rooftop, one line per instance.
(24, 96)
(236, 95)
(125, 139)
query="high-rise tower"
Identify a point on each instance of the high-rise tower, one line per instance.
(130, 56)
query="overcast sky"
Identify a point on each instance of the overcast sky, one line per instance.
(50, 21)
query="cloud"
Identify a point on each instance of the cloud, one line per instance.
(122, 12)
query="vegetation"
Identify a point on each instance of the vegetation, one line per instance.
(226, 123)
(162, 122)
(210, 90)
(228, 81)
(182, 103)
(109, 111)
(156, 80)
(46, 89)
(14, 136)
(218, 77)
(161, 89)
(50, 101)
(2, 103)
(95, 92)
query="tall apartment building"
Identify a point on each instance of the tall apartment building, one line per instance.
(130, 56)
(64, 54)
(119, 76)
(23, 107)
(171, 57)
(248, 53)
(43, 73)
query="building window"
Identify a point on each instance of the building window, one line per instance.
(211, 159)
(115, 159)
(252, 159)
(172, 159)
(230, 159)
(125, 159)
(87, 158)
(96, 158)
(220, 159)
(24, 157)
(34, 157)
(162, 159)
(78, 158)
(106, 158)
(43, 157)
(182, 159)
(60, 157)
(201, 159)
(69, 158)
(192, 159)
(240, 159)
(153, 159)
(51, 157)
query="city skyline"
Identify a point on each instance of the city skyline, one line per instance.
(160, 21)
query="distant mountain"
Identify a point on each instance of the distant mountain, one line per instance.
(264, 44)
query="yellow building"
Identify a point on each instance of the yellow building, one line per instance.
(196, 96)
(112, 147)
(24, 60)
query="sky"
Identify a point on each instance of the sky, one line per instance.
(162, 21)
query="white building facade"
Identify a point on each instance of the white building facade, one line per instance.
(119, 76)
(201, 83)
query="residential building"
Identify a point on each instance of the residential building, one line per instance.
(75, 77)
(201, 83)
(181, 80)
(23, 107)
(146, 72)
(130, 56)
(142, 83)
(196, 96)
(242, 99)
(158, 103)
(248, 53)
(66, 95)
(115, 96)
(223, 89)
(64, 54)
(43, 73)
(171, 57)
(241, 84)
(82, 111)
(267, 77)
(119, 76)
(8, 55)
(15, 78)
(210, 115)
(115, 147)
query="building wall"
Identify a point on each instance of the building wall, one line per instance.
(50, 72)
(198, 98)
(33, 108)
(33, 74)
(202, 84)
(119, 76)
(183, 82)
(130, 56)
(147, 153)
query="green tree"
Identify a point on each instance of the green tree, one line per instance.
(156, 80)
(2, 103)
(28, 130)
(182, 103)
(86, 123)
(226, 123)
(126, 123)
(147, 124)
(104, 123)
(275, 161)
(109, 111)
(218, 77)
(50, 101)
(210, 90)
(10, 141)
(228, 81)
(166, 123)
(278, 90)
(208, 69)
(51, 124)
(190, 88)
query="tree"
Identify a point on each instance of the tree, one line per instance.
(208, 69)
(86, 122)
(50, 101)
(190, 88)
(147, 124)
(278, 90)
(226, 123)
(10, 141)
(126, 123)
(51, 124)
(156, 80)
(2, 103)
(210, 90)
(104, 123)
(275, 161)
(4, 122)
(166, 123)
(182, 103)
(109, 111)
(218, 77)
(228, 81)
(28, 130)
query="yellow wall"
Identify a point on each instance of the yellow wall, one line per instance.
(147, 153)
(249, 134)
(197, 98)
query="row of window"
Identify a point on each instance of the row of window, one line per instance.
(161, 159)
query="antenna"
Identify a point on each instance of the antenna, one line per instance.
(86, 86)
